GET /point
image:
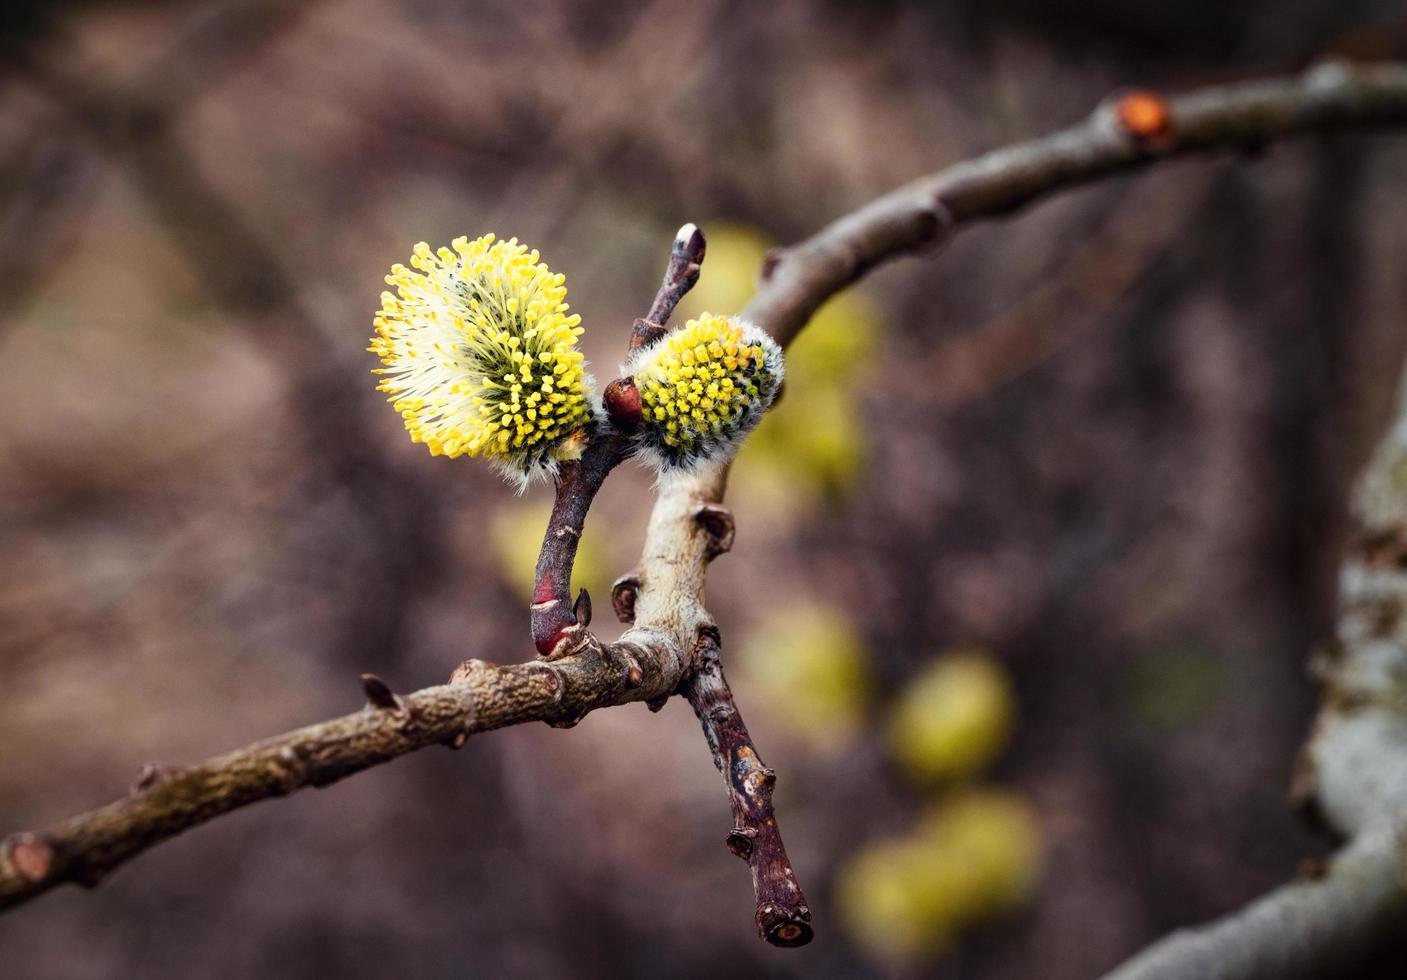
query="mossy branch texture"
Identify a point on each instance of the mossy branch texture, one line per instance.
(673, 643)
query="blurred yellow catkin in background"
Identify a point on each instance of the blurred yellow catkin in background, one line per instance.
(954, 718)
(811, 667)
(975, 855)
(975, 852)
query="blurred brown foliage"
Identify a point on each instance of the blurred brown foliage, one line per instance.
(1109, 441)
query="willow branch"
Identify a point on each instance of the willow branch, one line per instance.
(685, 263)
(920, 215)
(665, 596)
(781, 913)
(783, 918)
(643, 665)
(559, 625)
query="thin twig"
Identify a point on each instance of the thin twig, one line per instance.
(559, 625)
(561, 628)
(783, 918)
(685, 261)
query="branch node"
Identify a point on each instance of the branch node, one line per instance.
(1312, 869)
(656, 704)
(717, 522)
(1328, 76)
(464, 671)
(623, 594)
(770, 261)
(32, 857)
(1146, 119)
(552, 681)
(634, 676)
(380, 696)
(740, 841)
(938, 224)
(569, 640)
(287, 770)
(643, 333)
(153, 773)
(707, 642)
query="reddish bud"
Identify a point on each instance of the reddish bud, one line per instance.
(623, 405)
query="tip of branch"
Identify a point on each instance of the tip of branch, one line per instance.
(690, 243)
(784, 927)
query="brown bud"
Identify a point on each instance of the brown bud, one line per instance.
(623, 405)
(717, 522)
(689, 242)
(379, 693)
(740, 841)
(582, 609)
(623, 593)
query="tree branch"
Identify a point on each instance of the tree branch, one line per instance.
(479, 698)
(688, 526)
(1352, 775)
(783, 918)
(559, 624)
(920, 215)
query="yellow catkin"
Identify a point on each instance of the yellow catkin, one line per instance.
(703, 387)
(478, 355)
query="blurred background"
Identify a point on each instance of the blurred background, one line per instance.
(1029, 559)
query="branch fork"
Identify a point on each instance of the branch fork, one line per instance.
(560, 628)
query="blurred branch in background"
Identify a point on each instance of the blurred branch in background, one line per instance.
(135, 125)
(49, 194)
(1352, 775)
(796, 281)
